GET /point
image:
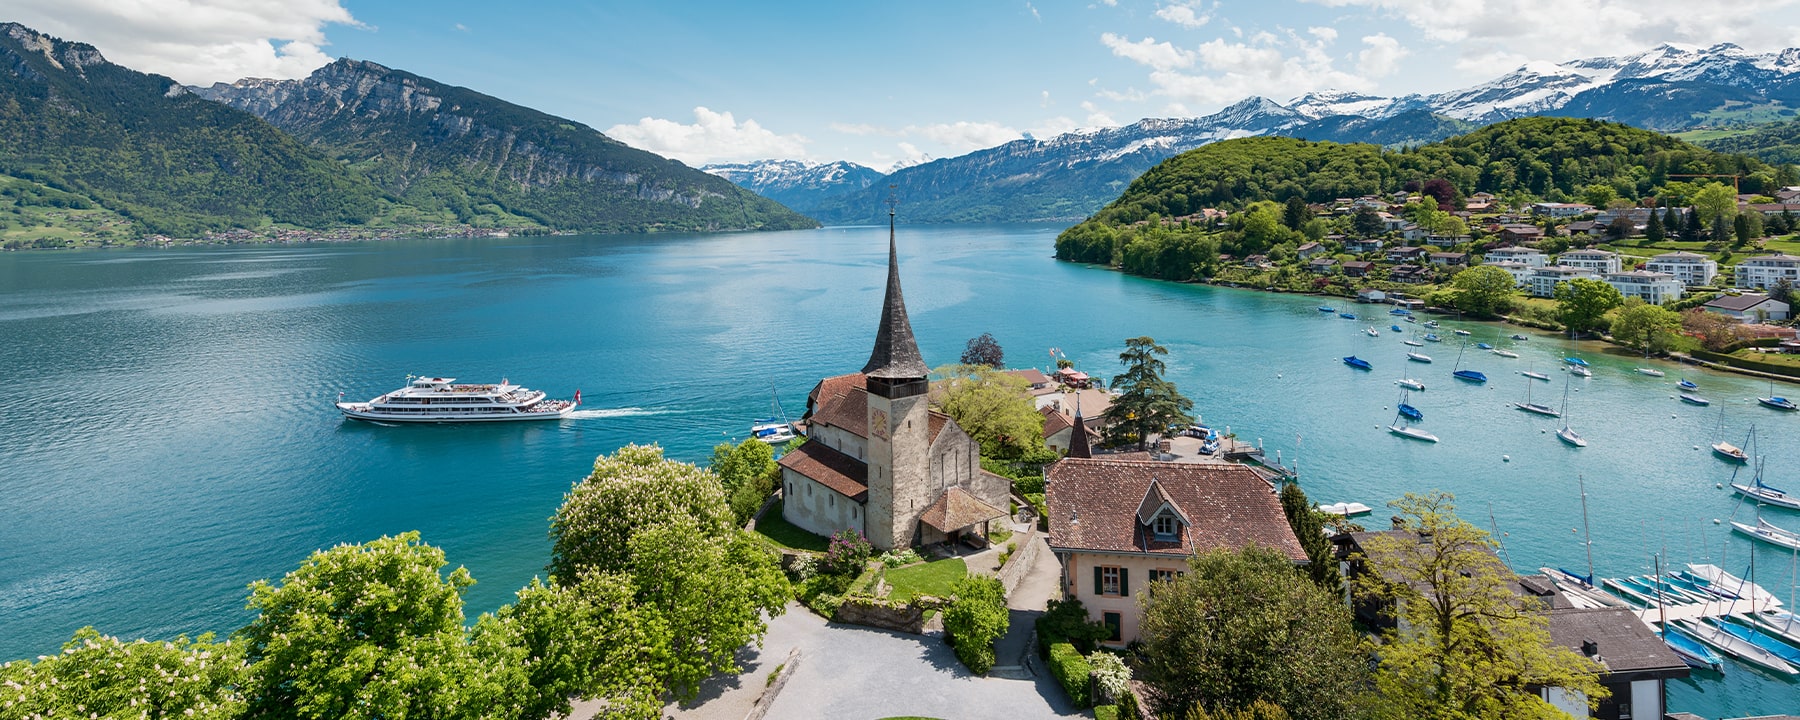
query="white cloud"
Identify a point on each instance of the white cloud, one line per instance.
(1187, 14)
(1380, 57)
(1052, 127)
(195, 41)
(1034, 12)
(1097, 117)
(713, 137)
(964, 136)
(1323, 33)
(1222, 71)
(460, 27)
(1158, 55)
(1497, 35)
(1044, 99)
(857, 128)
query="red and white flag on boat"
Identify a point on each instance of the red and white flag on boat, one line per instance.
(577, 397)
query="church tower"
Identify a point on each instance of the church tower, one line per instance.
(899, 443)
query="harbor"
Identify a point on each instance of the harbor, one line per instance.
(158, 537)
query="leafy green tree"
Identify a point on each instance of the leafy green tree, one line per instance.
(1366, 222)
(1309, 526)
(1715, 203)
(984, 350)
(586, 639)
(368, 631)
(993, 407)
(1295, 213)
(1783, 291)
(1693, 228)
(632, 490)
(1146, 404)
(975, 619)
(748, 473)
(1473, 648)
(1243, 627)
(1645, 326)
(1653, 228)
(1484, 290)
(1599, 194)
(1582, 302)
(102, 676)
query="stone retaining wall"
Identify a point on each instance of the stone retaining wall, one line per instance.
(1019, 564)
(908, 618)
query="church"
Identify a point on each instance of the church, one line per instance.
(879, 460)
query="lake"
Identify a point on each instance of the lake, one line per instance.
(167, 434)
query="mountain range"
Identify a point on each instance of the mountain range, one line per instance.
(1667, 88)
(354, 144)
(796, 183)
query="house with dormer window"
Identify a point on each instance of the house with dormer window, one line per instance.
(1119, 526)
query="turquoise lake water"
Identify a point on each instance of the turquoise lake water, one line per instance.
(167, 435)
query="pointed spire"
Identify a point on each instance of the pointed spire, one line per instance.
(1078, 439)
(896, 354)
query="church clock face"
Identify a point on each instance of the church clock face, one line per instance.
(878, 423)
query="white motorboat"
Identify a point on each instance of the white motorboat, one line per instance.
(442, 400)
(1652, 372)
(1464, 332)
(1410, 384)
(1536, 375)
(1418, 357)
(1371, 332)
(1503, 352)
(1579, 370)
(1406, 431)
(1413, 343)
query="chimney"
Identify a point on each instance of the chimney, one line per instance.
(1590, 648)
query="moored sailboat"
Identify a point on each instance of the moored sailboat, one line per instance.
(1535, 408)
(1568, 434)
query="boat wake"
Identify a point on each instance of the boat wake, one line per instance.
(600, 413)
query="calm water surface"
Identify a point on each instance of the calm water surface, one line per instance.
(167, 435)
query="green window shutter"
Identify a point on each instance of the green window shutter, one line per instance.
(1099, 582)
(1125, 581)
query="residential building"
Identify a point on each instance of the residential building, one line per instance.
(1542, 281)
(1036, 381)
(1410, 274)
(1309, 249)
(1412, 233)
(1530, 257)
(1583, 227)
(1521, 233)
(1060, 430)
(879, 461)
(1560, 210)
(1355, 268)
(1518, 270)
(1634, 663)
(1117, 526)
(1749, 308)
(1449, 258)
(1322, 266)
(1764, 271)
(1651, 287)
(1371, 295)
(1363, 245)
(1598, 262)
(1690, 268)
(1404, 254)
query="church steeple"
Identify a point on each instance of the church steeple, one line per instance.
(1078, 439)
(895, 358)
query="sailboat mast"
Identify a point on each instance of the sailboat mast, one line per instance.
(1587, 533)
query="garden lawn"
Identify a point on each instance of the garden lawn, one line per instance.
(776, 529)
(1770, 358)
(932, 578)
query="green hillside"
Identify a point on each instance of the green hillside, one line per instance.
(170, 162)
(1777, 143)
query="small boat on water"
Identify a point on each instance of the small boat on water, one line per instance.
(1347, 316)
(1484, 346)
(1431, 324)
(1358, 363)
(1788, 653)
(1717, 577)
(1729, 452)
(1470, 375)
(1779, 403)
(1767, 494)
(1411, 319)
(1769, 533)
(1652, 372)
(1410, 412)
(1410, 384)
(1418, 357)
(1399, 311)
(1578, 362)
(1371, 332)
(1782, 623)
(1534, 407)
(1322, 308)
(1412, 432)
(1464, 332)
(1568, 434)
(1535, 375)
(1502, 352)
(1693, 399)
(1736, 647)
(1581, 371)
(1413, 343)
(1347, 509)
(442, 400)
(1691, 651)
(1687, 384)
(1395, 328)
(1517, 336)
(1432, 337)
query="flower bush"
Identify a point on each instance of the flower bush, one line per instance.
(847, 554)
(1111, 676)
(900, 558)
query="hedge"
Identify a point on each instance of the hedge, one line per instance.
(1071, 670)
(1748, 364)
(1106, 712)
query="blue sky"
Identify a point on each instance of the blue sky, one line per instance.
(881, 83)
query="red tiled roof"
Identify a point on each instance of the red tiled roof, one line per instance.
(957, 509)
(1093, 505)
(848, 412)
(842, 473)
(1031, 375)
(1055, 421)
(937, 422)
(833, 387)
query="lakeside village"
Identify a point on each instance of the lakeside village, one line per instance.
(1725, 256)
(1024, 544)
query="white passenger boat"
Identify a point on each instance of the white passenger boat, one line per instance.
(442, 400)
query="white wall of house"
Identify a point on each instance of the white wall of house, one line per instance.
(1764, 272)
(1595, 261)
(1653, 288)
(1543, 281)
(816, 508)
(1761, 312)
(1528, 256)
(1689, 270)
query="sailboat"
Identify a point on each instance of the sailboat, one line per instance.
(1432, 337)
(1736, 647)
(1769, 532)
(1534, 374)
(1765, 493)
(1537, 408)
(1727, 451)
(1568, 434)
(1418, 357)
(1403, 430)
(1469, 375)
(1776, 401)
(1358, 363)
(1687, 384)
(1407, 411)
(1693, 399)
(776, 429)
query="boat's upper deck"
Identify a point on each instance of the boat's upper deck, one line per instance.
(437, 389)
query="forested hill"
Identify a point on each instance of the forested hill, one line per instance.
(442, 147)
(139, 146)
(1775, 142)
(1544, 158)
